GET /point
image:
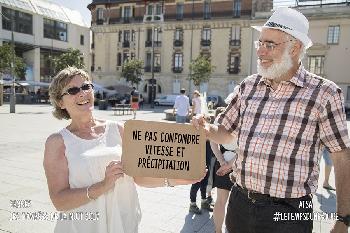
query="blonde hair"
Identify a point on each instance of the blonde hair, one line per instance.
(58, 83)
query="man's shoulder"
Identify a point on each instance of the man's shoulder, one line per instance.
(316, 81)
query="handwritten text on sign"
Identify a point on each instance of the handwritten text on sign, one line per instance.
(163, 150)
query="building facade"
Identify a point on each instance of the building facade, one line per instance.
(181, 30)
(42, 31)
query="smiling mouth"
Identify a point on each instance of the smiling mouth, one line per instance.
(84, 102)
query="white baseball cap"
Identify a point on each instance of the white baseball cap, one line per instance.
(289, 21)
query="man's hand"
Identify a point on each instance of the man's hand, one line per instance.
(339, 227)
(199, 122)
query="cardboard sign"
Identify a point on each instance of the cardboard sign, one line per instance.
(163, 150)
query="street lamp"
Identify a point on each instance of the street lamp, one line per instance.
(13, 90)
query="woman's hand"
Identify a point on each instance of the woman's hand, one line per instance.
(224, 169)
(114, 171)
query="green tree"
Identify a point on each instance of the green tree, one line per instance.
(6, 60)
(69, 58)
(201, 70)
(132, 70)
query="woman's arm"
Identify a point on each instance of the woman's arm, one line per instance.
(57, 172)
(216, 150)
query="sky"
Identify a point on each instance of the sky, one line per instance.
(79, 5)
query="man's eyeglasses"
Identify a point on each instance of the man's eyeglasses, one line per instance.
(76, 90)
(268, 45)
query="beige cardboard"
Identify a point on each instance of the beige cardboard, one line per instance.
(179, 159)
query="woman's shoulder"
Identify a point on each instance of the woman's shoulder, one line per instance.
(54, 139)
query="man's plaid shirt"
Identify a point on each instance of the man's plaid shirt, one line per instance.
(281, 133)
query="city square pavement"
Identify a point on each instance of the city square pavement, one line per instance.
(164, 210)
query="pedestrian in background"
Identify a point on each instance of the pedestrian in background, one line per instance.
(196, 103)
(181, 107)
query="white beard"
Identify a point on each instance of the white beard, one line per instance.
(276, 70)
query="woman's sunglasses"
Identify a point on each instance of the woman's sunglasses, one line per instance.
(76, 90)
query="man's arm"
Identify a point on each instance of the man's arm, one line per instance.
(341, 161)
(215, 133)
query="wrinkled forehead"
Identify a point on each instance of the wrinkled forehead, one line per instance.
(273, 35)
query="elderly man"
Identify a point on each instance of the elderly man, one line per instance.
(283, 118)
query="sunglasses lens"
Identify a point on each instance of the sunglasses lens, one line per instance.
(85, 87)
(73, 90)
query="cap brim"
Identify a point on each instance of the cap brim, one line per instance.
(303, 38)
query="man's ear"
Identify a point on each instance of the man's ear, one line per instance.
(296, 49)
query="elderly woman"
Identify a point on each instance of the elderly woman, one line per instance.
(82, 164)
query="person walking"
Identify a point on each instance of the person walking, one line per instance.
(283, 117)
(134, 100)
(196, 103)
(181, 107)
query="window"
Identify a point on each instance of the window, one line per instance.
(150, 9)
(235, 36)
(120, 36)
(237, 8)
(148, 60)
(23, 22)
(132, 56)
(132, 35)
(206, 34)
(206, 10)
(333, 34)
(316, 64)
(179, 11)
(179, 34)
(234, 63)
(55, 30)
(126, 35)
(125, 57)
(159, 9)
(119, 59)
(348, 94)
(149, 34)
(127, 12)
(157, 35)
(157, 60)
(178, 60)
(100, 14)
(81, 39)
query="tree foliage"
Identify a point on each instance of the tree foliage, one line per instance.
(201, 70)
(6, 60)
(132, 71)
(69, 58)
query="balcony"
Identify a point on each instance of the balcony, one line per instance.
(177, 69)
(126, 19)
(148, 43)
(99, 22)
(212, 15)
(156, 69)
(235, 43)
(178, 43)
(205, 43)
(234, 70)
(126, 44)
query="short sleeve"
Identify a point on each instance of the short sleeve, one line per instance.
(333, 125)
(230, 117)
